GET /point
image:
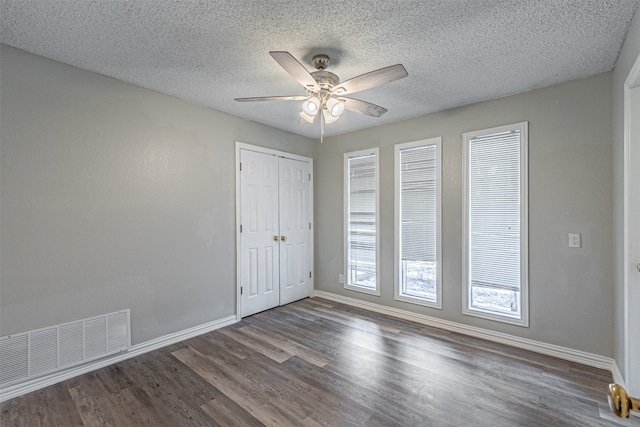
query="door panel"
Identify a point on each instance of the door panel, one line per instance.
(275, 252)
(259, 252)
(295, 262)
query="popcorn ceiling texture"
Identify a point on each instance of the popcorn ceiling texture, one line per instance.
(210, 52)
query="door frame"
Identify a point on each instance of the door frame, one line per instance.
(244, 146)
(632, 81)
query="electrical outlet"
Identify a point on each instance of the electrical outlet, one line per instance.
(341, 278)
(575, 240)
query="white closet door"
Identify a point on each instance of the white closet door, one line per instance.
(295, 240)
(259, 238)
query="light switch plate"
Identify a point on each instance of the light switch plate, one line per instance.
(341, 278)
(575, 240)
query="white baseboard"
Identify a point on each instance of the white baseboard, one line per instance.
(565, 353)
(136, 350)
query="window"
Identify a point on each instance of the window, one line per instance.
(418, 265)
(495, 232)
(361, 221)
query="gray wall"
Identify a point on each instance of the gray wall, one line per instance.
(115, 197)
(570, 190)
(628, 54)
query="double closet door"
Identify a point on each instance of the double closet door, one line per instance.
(275, 265)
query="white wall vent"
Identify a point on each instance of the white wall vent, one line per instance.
(30, 354)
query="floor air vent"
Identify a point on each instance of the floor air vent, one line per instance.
(42, 351)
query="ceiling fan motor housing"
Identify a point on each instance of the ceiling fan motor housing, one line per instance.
(325, 79)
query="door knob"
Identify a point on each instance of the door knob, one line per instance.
(283, 238)
(275, 238)
(620, 402)
(638, 267)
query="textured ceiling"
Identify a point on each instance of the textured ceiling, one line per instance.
(209, 52)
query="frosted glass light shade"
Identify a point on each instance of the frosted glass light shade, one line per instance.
(311, 106)
(307, 118)
(328, 118)
(335, 107)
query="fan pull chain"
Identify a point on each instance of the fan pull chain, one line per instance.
(321, 126)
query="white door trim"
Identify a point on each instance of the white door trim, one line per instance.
(264, 150)
(632, 80)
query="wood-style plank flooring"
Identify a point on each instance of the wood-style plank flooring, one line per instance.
(320, 363)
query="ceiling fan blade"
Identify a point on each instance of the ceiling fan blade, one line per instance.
(363, 107)
(371, 79)
(274, 98)
(295, 69)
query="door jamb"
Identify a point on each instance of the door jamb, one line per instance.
(632, 81)
(244, 146)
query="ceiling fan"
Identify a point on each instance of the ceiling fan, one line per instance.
(325, 91)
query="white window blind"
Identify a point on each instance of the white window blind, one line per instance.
(417, 222)
(418, 203)
(496, 182)
(361, 224)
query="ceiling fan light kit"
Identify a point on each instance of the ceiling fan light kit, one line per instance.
(324, 89)
(328, 117)
(331, 108)
(311, 106)
(335, 107)
(306, 117)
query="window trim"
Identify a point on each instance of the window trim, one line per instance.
(347, 156)
(524, 227)
(397, 232)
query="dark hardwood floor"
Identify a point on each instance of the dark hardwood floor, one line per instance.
(315, 362)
